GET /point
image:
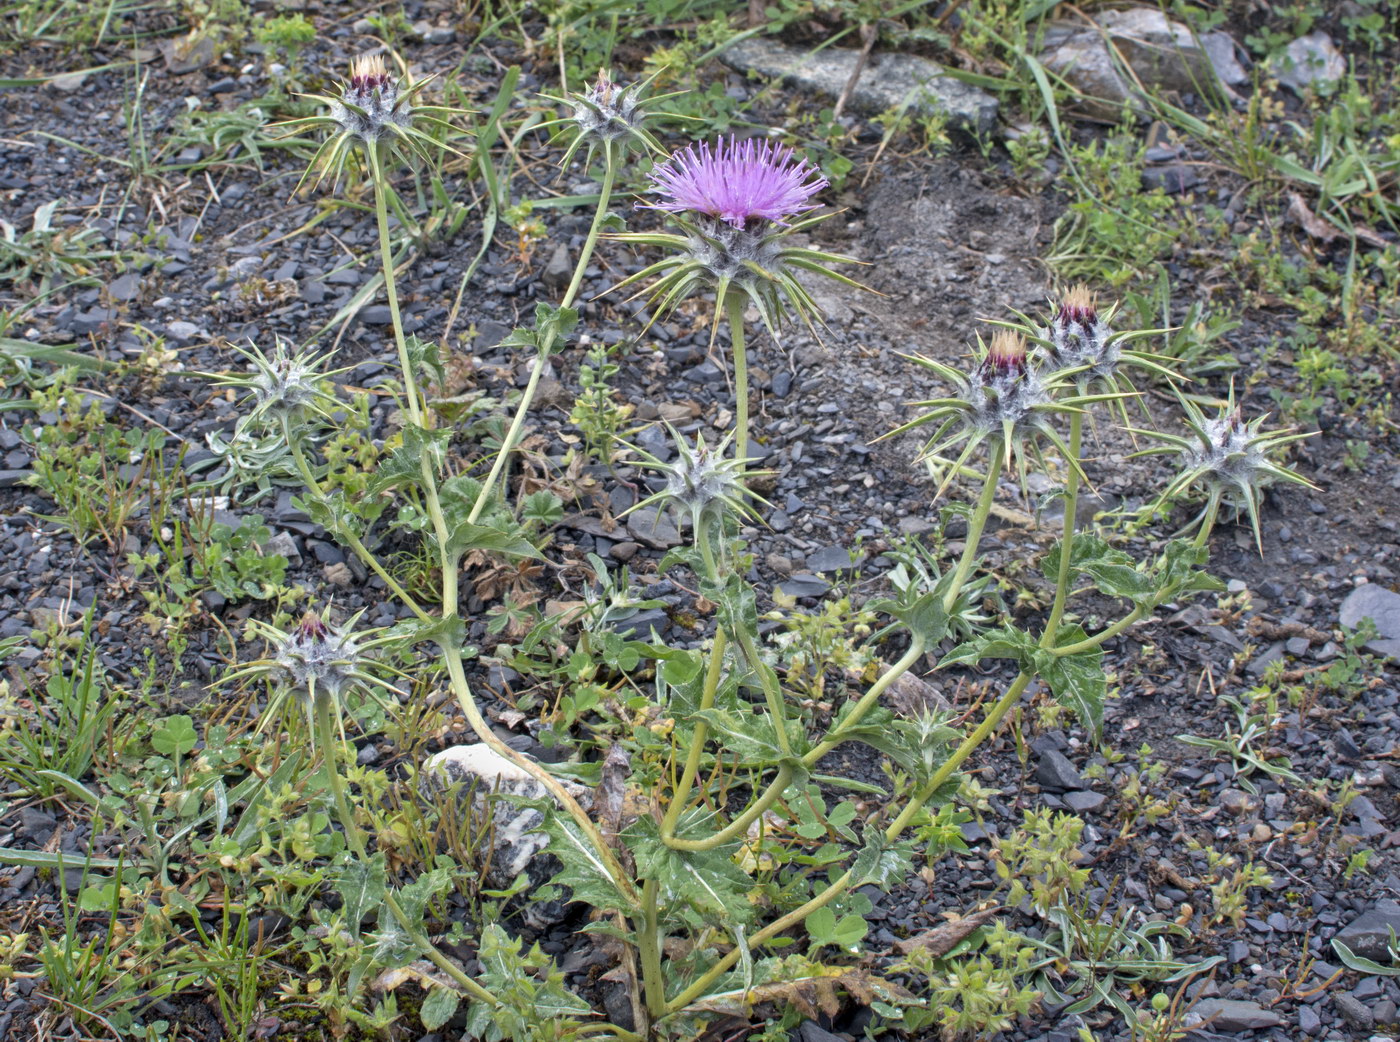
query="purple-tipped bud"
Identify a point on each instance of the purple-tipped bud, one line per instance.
(1006, 357)
(367, 75)
(315, 657)
(1079, 337)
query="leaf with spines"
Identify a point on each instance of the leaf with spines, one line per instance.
(707, 882)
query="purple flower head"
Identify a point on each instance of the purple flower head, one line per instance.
(737, 182)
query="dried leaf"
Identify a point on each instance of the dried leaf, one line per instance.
(612, 789)
(1309, 221)
(943, 939)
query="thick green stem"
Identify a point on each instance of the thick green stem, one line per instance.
(831, 741)
(457, 676)
(649, 951)
(1105, 634)
(313, 486)
(541, 359)
(975, 525)
(410, 383)
(1208, 522)
(734, 308)
(1064, 576)
(355, 838)
(697, 739)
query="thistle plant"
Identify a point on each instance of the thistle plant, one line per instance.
(713, 755)
(738, 206)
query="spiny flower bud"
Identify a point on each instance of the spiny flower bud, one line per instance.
(378, 111)
(315, 656)
(703, 483)
(315, 660)
(371, 101)
(1006, 358)
(1079, 337)
(1002, 399)
(288, 385)
(1230, 457)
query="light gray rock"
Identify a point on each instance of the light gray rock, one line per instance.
(1226, 1015)
(1161, 53)
(889, 81)
(1382, 607)
(517, 845)
(1309, 61)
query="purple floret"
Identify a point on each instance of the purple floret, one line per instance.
(737, 182)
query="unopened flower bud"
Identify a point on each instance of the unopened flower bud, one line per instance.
(1079, 337)
(371, 101)
(1006, 357)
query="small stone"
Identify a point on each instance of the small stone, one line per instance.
(1055, 772)
(831, 559)
(1309, 1023)
(1382, 606)
(804, 584)
(1385, 1012)
(338, 574)
(624, 551)
(1083, 802)
(1173, 179)
(653, 527)
(889, 82)
(125, 287)
(1353, 1011)
(1308, 61)
(1239, 802)
(376, 315)
(560, 268)
(180, 330)
(1228, 1015)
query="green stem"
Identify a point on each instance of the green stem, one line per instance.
(697, 740)
(1105, 634)
(734, 307)
(1208, 522)
(975, 525)
(772, 692)
(649, 951)
(410, 383)
(537, 371)
(797, 916)
(831, 741)
(313, 486)
(739, 825)
(354, 836)
(457, 677)
(1064, 577)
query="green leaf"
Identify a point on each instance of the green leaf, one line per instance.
(404, 466)
(551, 330)
(175, 737)
(438, 1007)
(1004, 642)
(881, 862)
(425, 358)
(584, 872)
(706, 881)
(750, 736)
(824, 928)
(1077, 681)
(464, 537)
(361, 885)
(1113, 572)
